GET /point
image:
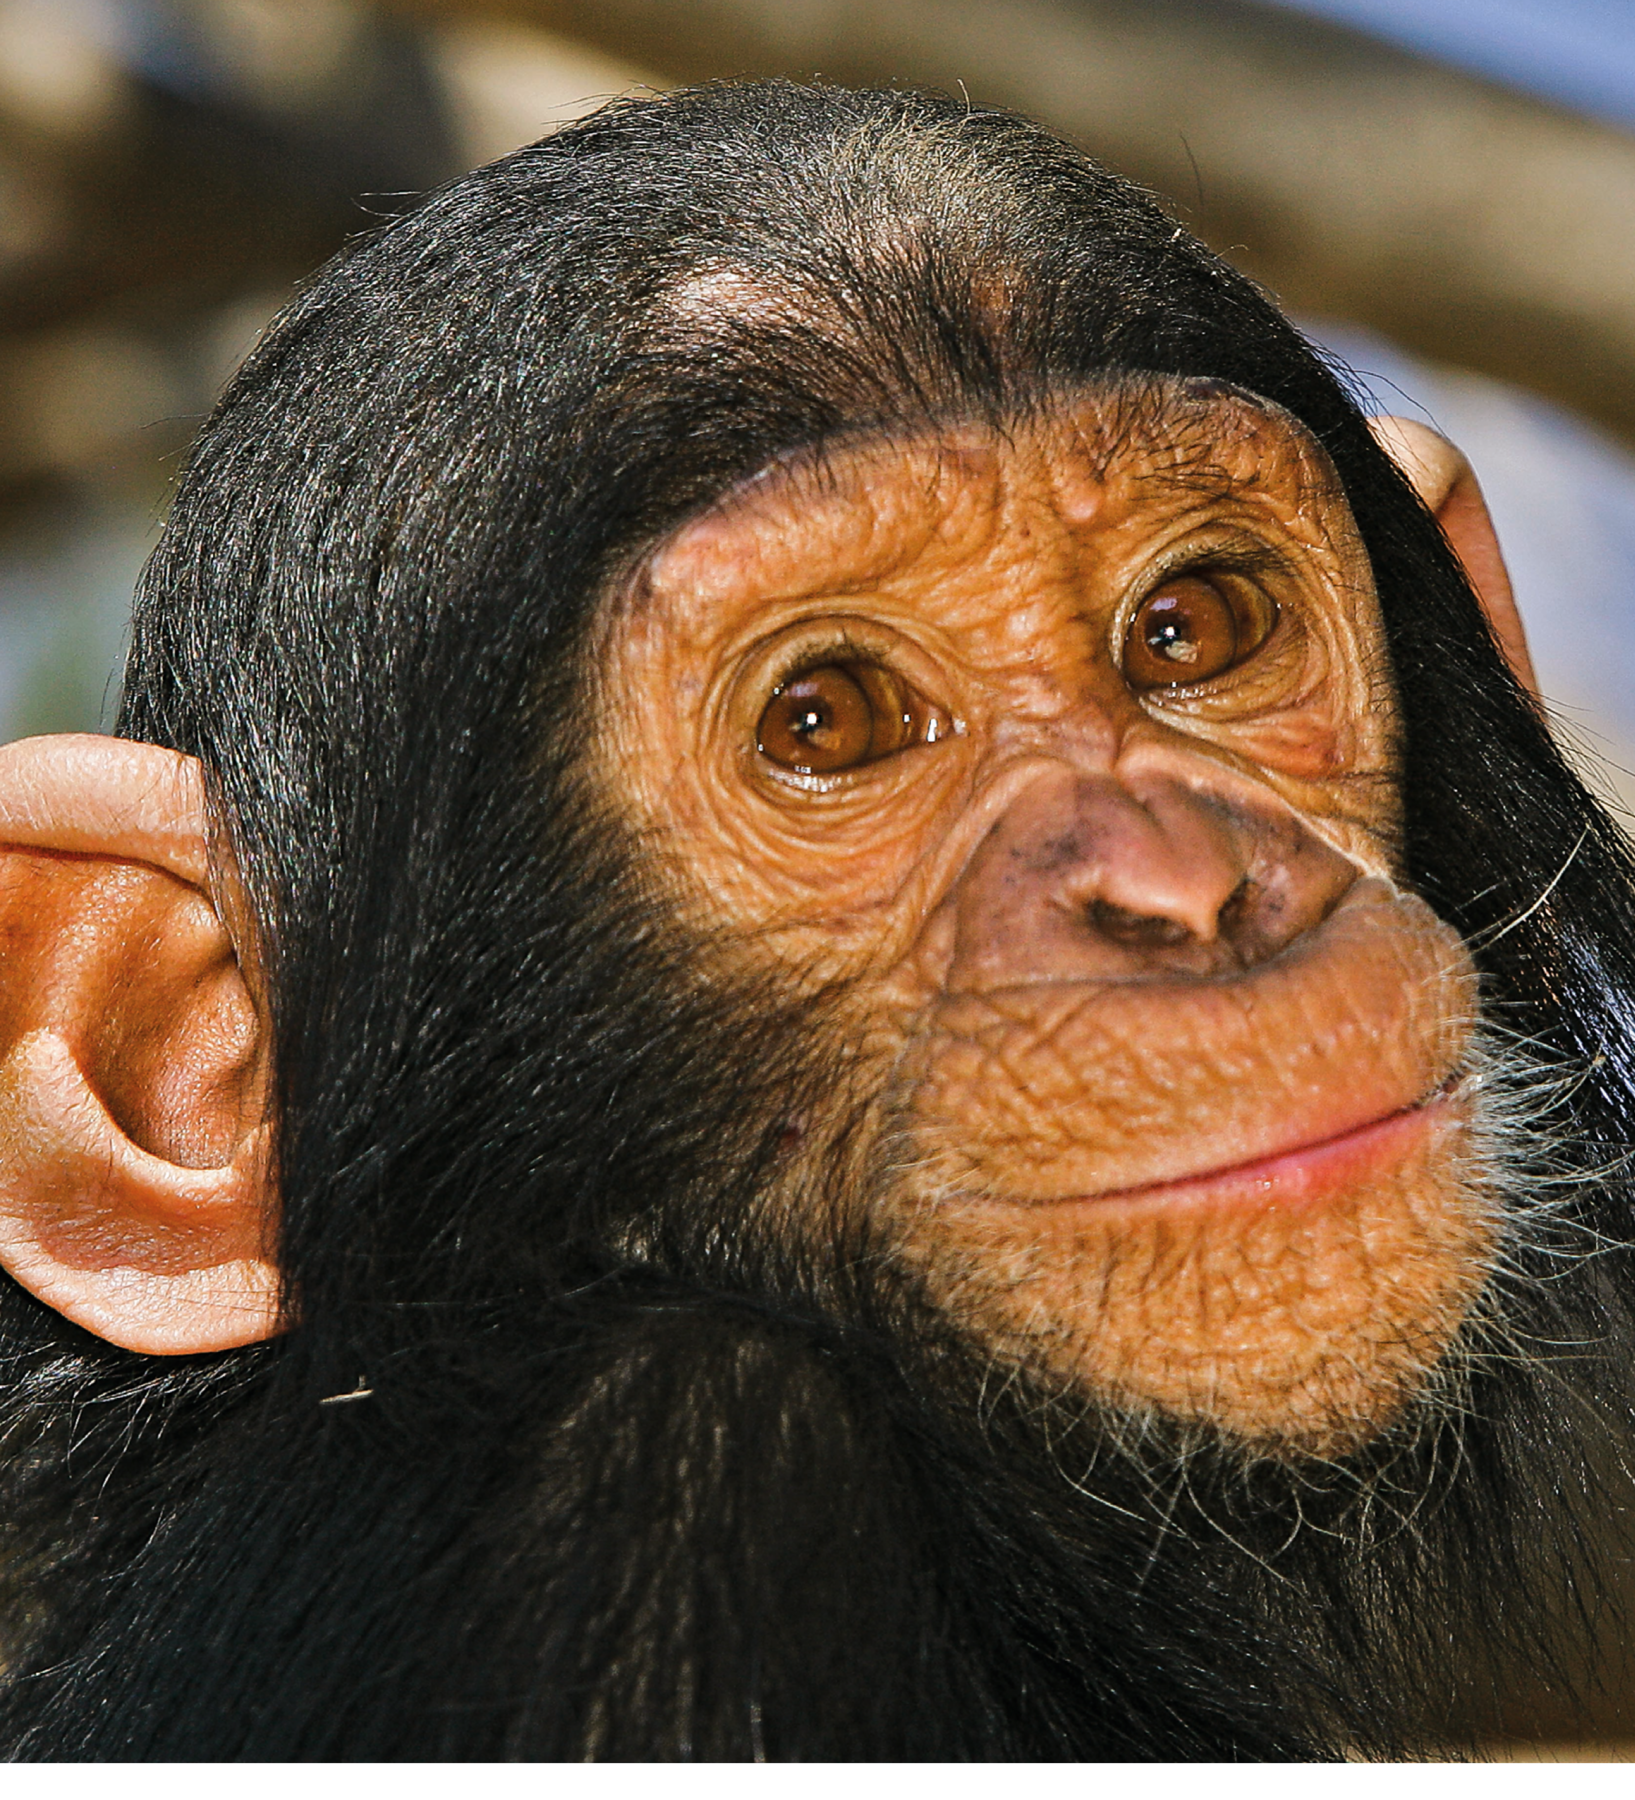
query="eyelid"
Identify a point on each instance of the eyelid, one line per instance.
(816, 643)
(1231, 546)
(818, 654)
(1248, 557)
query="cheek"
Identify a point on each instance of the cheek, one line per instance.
(1330, 747)
(1302, 1327)
(1323, 759)
(1247, 1202)
(821, 886)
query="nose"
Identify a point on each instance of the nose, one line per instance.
(1090, 877)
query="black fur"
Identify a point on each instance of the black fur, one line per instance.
(710, 1498)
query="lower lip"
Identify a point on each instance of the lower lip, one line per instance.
(1314, 1172)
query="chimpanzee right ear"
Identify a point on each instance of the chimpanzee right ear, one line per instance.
(1441, 475)
(135, 1196)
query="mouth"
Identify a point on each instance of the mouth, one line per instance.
(1305, 1175)
(1266, 1085)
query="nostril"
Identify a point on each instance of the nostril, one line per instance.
(1143, 930)
(1239, 906)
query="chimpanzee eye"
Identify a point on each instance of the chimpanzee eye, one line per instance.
(1191, 628)
(840, 715)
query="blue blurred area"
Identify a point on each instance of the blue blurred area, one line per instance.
(1562, 496)
(65, 601)
(349, 102)
(369, 115)
(1579, 53)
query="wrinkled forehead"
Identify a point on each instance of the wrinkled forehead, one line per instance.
(855, 510)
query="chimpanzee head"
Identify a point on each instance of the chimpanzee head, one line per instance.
(796, 688)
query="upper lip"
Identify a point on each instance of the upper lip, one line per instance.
(1074, 1089)
(1247, 1165)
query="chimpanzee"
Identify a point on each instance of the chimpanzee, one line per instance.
(827, 999)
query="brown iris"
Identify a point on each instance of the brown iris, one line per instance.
(1192, 627)
(840, 715)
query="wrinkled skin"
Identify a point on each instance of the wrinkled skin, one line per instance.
(1167, 1069)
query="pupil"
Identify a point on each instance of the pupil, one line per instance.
(810, 719)
(1171, 639)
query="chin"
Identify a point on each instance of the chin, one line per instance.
(1294, 1306)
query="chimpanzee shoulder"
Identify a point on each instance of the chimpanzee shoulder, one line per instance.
(711, 1530)
(733, 1532)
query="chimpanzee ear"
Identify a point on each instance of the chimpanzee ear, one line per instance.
(135, 1196)
(1445, 481)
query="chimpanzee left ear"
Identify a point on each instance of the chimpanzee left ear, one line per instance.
(1445, 481)
(135, 1195)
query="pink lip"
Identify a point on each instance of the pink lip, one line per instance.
(1306, 1173)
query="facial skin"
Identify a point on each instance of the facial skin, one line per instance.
(1167, 1064)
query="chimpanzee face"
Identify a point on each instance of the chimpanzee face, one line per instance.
(1057, 768)
(1044, 780)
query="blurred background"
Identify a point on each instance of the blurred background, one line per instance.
(1442, 191)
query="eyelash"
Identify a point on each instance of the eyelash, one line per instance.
(842, 649)
(1248, 561)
